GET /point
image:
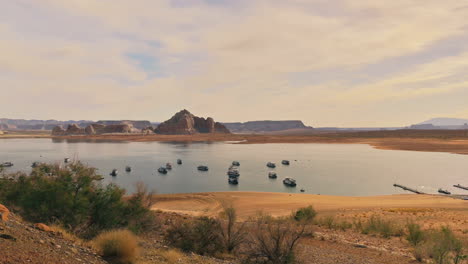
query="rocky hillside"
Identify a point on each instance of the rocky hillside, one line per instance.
(93, 129)
(22, 242)
(264, 126)
(185, 123)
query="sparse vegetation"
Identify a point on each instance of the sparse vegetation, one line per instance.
(232, 234)
(201, 236)
(415, 235)
(119, 246)
(378, 226)
(73, 196)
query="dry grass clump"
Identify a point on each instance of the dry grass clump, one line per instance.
(119, 246)
(57, 229)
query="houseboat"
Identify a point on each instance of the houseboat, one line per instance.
(114, 172)
(272, 175)
(162, 170)
(233, 173)
(289, 182)
(444, 191)
(6, 164)
(234, 181)
(202, 168)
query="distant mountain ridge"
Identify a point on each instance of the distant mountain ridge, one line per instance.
(445, 121)
(265, 126)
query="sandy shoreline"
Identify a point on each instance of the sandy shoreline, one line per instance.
(249, 204)
(437, 142)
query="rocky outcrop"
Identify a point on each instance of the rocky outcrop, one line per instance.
(94, 129)
(42, 227)
(4, 212)
(139, 124)
(185, 123)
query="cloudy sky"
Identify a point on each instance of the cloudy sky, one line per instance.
(328, 63)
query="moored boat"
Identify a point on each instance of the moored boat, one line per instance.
(128, 169)
(271, 165)
(235, 163)
(272, 175)
(179, 161)
(6, 164)
(35, 164)
(66, 160)
(169, 166)
(444, 191)
(289, 182)
(285, 162)
(114, 172)
(162, 170)
(202, 168)
(233, 181)
(233, 172)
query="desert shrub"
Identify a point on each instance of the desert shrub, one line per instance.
(73, 196)
(273, 240)
(379, 226)
(200, 235)
(119, 246)
(232, 234)
(415, 235)
(445, 247)
(305, 214)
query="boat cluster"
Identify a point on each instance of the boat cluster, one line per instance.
(233, 173)
(290, 182)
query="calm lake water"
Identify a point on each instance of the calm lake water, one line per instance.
(332, 169)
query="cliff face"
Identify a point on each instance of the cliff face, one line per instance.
(185, 123)
(93, 129)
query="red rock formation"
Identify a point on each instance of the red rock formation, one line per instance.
(58, 131)
(185, 123)
(43, 227)
(74, 129)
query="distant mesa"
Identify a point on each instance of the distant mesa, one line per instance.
(185, 123)
(182, 123)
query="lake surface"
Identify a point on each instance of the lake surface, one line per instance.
(332, 169)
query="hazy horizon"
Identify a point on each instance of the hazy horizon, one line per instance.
(346, 63)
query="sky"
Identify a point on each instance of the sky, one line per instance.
(349, 63)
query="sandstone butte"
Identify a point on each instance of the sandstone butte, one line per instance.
(182, 123)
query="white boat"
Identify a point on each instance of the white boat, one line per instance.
(233, 181)
(114, 172)
(233, 173)
(6, 164)
(162, 170)
(66, 160)
(289, 182)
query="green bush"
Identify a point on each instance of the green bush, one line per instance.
(415, 235)
(306, 214)
(378, 226)
(201, 236)
(444, 247)
(73, 196)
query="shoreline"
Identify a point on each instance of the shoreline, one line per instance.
(249, 204)
(390, 141)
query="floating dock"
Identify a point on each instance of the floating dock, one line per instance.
(407, 189)
(461, 187)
